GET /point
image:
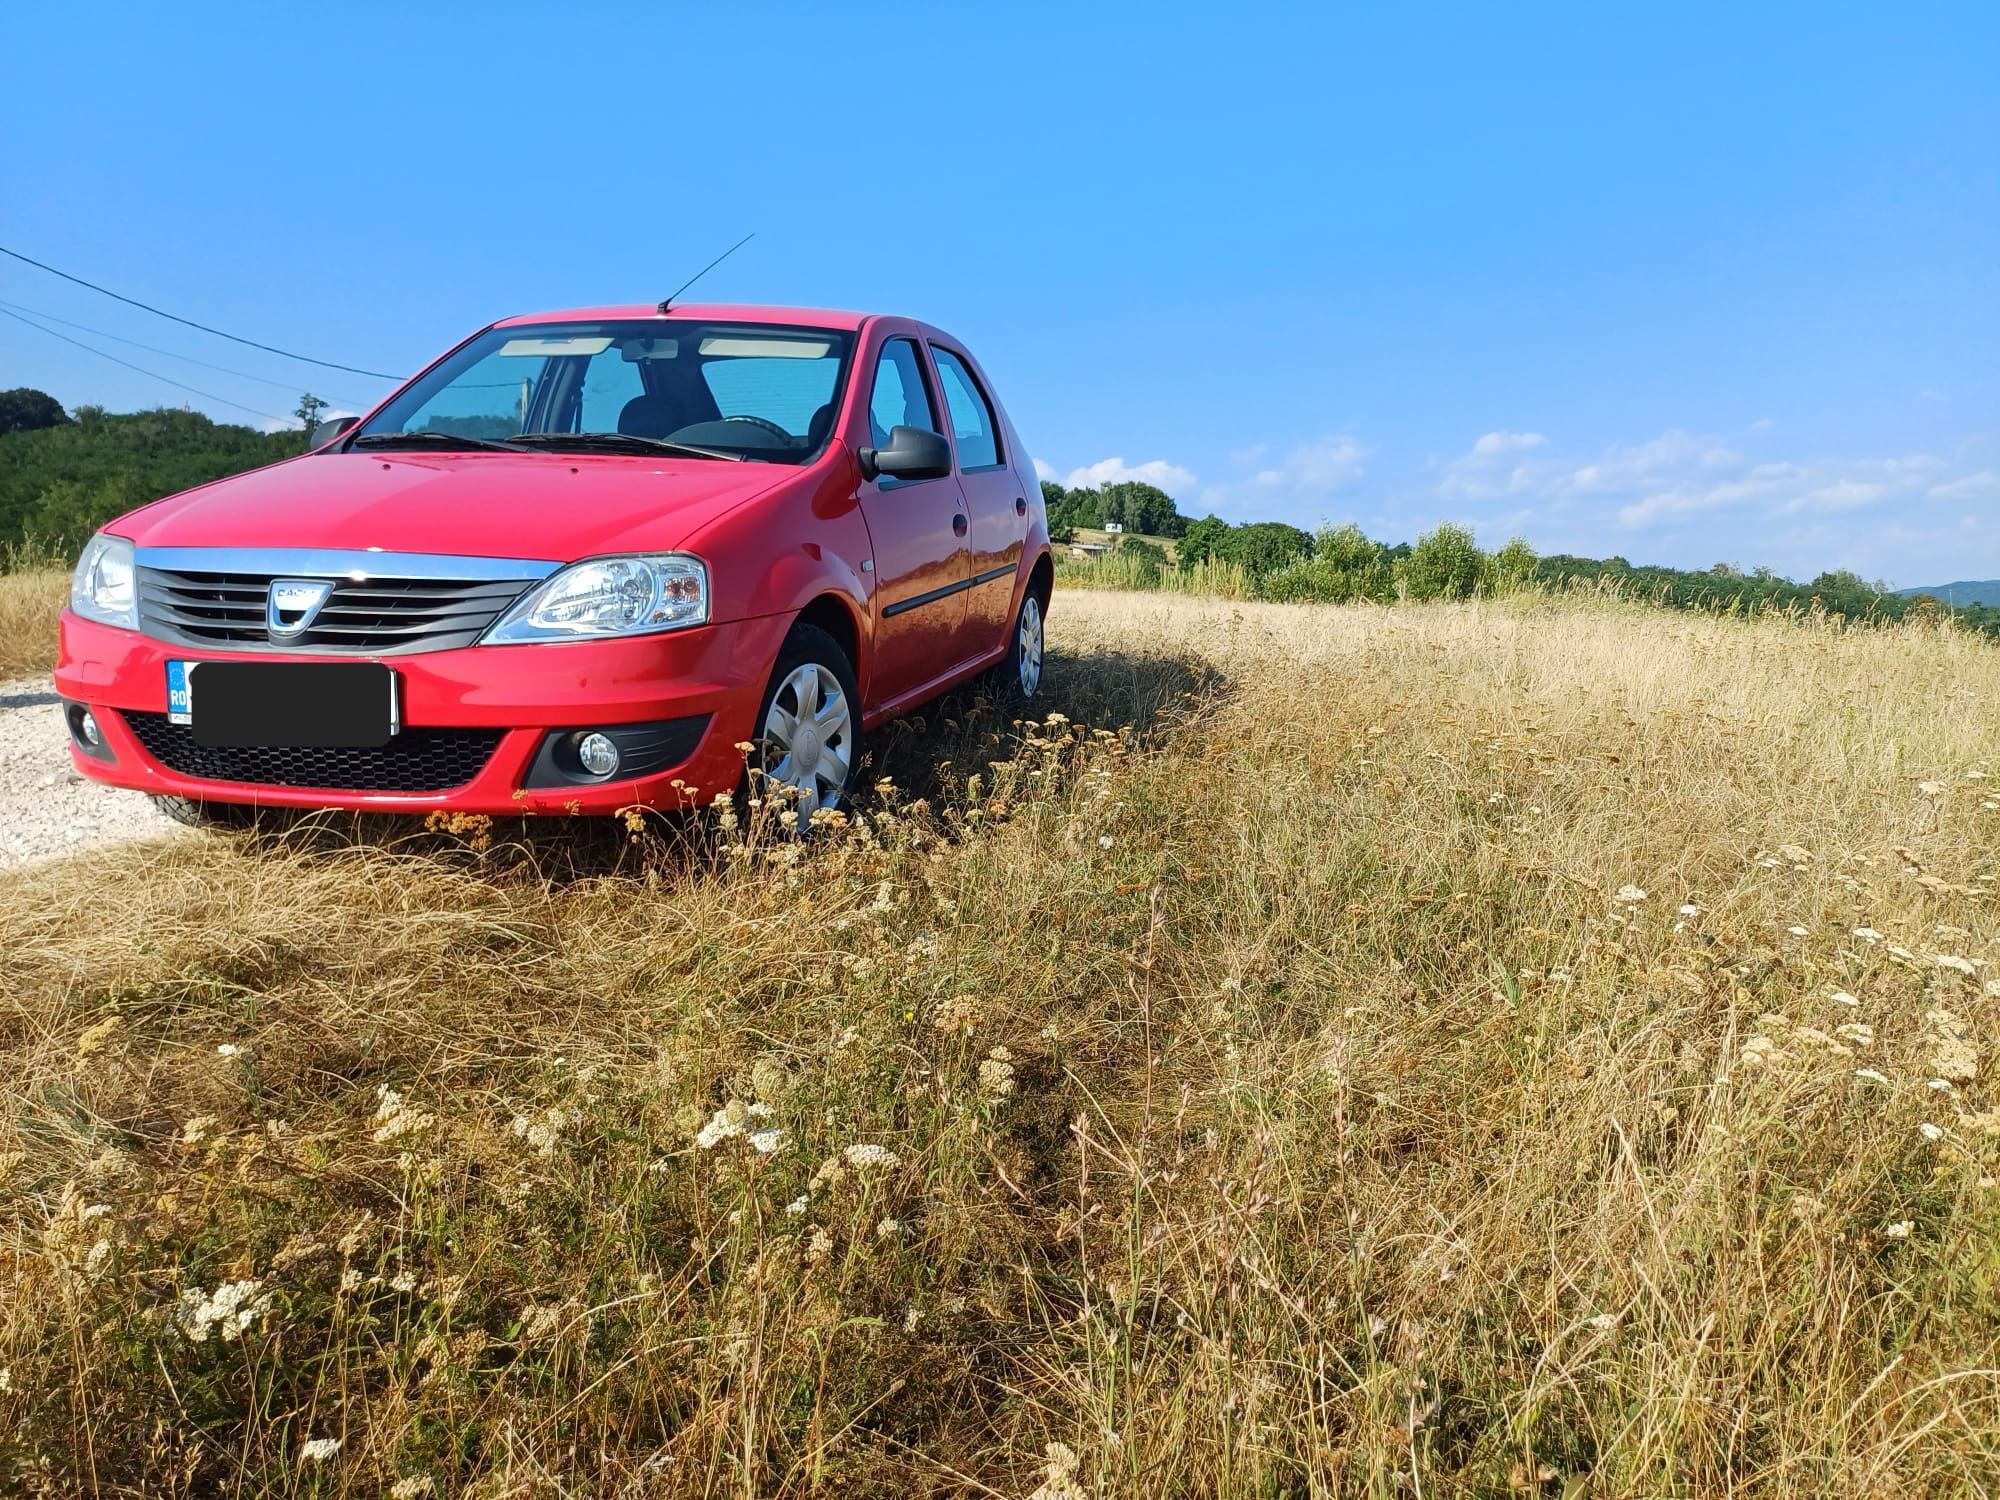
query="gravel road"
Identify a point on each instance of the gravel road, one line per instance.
(46, 809)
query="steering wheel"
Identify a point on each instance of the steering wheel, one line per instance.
(771, 427)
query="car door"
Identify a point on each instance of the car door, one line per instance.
(996, 504)
(920, 535)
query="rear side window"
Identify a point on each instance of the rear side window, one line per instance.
(902, 396)
(972, 423)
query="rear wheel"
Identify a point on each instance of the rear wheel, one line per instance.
(1020, 671)
(809, 729)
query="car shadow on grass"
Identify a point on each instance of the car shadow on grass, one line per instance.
(927, 756)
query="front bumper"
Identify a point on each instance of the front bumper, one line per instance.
(518, 694)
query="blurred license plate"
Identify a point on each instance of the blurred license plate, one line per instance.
(295, 705)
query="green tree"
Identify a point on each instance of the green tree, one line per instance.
(1444, 564)
(25, 409)
(1264, 546)
(1206, 540)
(1514, 564)
(307, 411)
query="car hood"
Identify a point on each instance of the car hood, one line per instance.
(553, 507)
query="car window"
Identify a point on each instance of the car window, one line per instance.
(673, 380)
(489, 400)
(902, 396)
(608, 383)
(972, 421)
(786, 390)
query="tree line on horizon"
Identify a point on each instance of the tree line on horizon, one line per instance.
(63, 475)
(1340, 564)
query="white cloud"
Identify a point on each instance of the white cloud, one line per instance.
(1045, 470)
(1290, 488)
(1155, 471)
(1493, 468)
(1985, 485)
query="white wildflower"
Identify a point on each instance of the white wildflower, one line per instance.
(318, 1450)
(416, 1487)
(1059, 1475)
(1841, 997)
(1602, 1321)
(1870, 1075)
(996, 1074)
(1900, 1230)
(1631, 895)
(1104, 841)
(1956, 964)
(1931, 788)
(1796, 931)
(228, 1049)
(888, 1229)
(230, 1308)
(394, 1117)
(767, 1140)
(1867, 935)
(798, 1205)
(1690, 909)
(863, 1154)
(1940, 1086)
(1930, 1132)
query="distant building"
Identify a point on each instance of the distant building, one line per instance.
(1114, 527)
(1087, 549)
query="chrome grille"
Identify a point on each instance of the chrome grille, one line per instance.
(383, 604)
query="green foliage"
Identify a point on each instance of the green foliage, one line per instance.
(1204, 539)
(60, 483)
(1262, 547)
(1345, 566)
(25, 409)
(1445, 564)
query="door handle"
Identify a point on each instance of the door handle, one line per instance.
(1020, 506)
(958, 525)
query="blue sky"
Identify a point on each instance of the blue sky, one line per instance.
(1685, 284)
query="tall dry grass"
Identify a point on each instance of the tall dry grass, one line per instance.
(1291, 1094)
(29, 603)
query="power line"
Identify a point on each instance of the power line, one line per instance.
(190, 322)
(283, 385)
(151, 374)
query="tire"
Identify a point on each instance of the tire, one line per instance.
(811, 662)
(1020, 674)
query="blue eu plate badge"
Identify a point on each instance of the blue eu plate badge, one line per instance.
(180, 707)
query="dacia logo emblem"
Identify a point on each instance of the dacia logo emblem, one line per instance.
(293, 604)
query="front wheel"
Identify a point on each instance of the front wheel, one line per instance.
(1020, 671)
(809, 730)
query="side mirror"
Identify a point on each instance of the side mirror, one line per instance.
(326, 432)
(912, 454)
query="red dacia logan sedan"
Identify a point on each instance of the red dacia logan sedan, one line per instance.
(573, 566)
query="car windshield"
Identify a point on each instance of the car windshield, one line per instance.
(754, 391)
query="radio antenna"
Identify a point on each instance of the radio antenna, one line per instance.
(667, 302)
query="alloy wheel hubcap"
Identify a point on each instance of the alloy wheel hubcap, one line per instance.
(808, 737)
(1031, 646)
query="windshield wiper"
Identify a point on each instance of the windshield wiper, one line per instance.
(426, 436)
(629, 442)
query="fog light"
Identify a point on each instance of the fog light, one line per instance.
(87, 730)
(597, 754)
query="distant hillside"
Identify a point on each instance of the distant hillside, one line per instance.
(60, 483)
(1960, 594)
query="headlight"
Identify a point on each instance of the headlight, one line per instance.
(609, 596)
(102, 587)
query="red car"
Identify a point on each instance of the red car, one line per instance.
(574, 566)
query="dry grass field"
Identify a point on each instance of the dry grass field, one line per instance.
(1533, 1048)
(29, 601)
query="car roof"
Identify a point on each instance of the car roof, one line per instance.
(713, 312)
